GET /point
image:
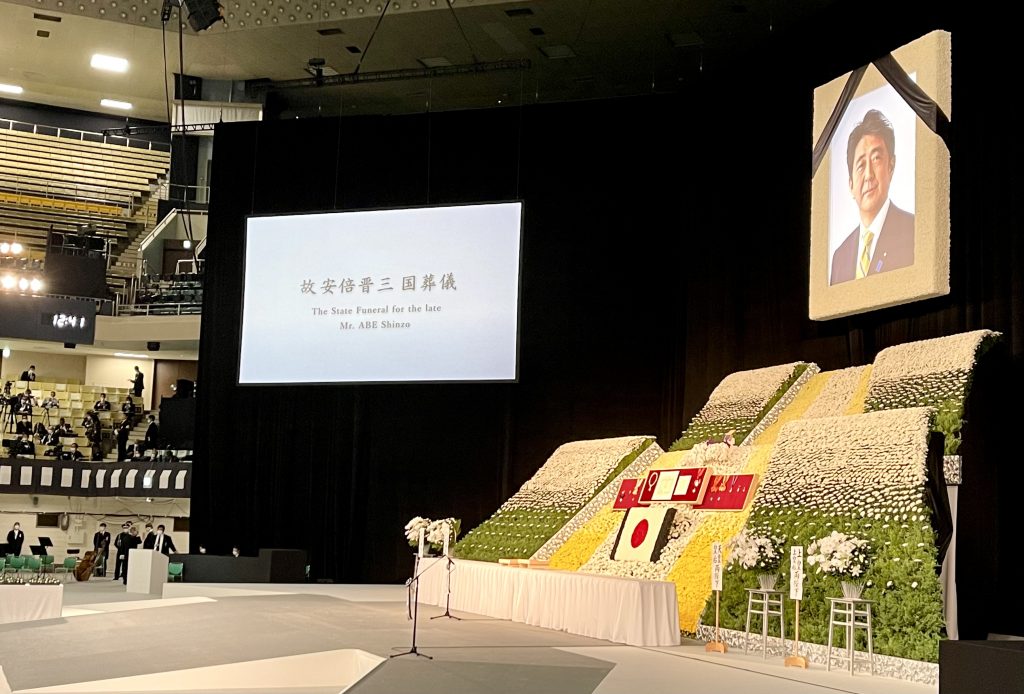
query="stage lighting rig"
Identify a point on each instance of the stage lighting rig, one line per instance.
(202, 14)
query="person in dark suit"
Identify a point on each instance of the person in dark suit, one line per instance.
(122, 439)
(102, 405)
(163, 542)
(137, 381)
(121, 543)
(101, 546)
(72, 453)
(24, 426)
(150, 538)
(131, 542)
(29, 374)
(23, 446)
(152, 434)
(15, 539)
(884, 239)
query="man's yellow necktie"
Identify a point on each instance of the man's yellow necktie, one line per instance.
(865, 256)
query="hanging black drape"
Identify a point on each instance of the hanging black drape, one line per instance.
(665, 246)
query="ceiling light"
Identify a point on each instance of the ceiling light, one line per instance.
(23, 284)
(5, 248)
(16, 248)
(8, 282)
(36, 285)
(131, 355)
(112, 103)
(11, 89)
(109, 63)
(186, 244)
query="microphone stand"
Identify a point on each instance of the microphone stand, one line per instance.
(414, 593)
(448, 597)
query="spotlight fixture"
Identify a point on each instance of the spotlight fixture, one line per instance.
(5, 248)
(22, 283)
(203, 14)
(186, 244)
(16, 248)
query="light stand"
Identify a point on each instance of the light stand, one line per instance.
(414, 594)
(448, 597)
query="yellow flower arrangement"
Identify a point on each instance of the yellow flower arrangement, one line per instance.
(692, 570)
(575, 552)
(807, 395)
(861, 394)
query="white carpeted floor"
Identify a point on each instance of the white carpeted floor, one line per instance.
(250, 638)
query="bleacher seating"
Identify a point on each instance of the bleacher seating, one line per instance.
(75, 400)
(58, 179)
(170, 294)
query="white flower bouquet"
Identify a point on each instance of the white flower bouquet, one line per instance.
(755, 553)
(412, 530)
(433, 531)
(841, 555)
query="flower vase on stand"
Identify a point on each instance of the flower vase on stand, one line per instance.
(852, 590)
(767, 581)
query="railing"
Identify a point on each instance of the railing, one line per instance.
(83, 135)
(69, 192)
(159, 309)
(180, 192)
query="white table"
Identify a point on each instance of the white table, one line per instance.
(623, 610)
(26, 602)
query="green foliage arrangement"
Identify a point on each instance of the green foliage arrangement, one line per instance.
(700, 430)
(515, 532)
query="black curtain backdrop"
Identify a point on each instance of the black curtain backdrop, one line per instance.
(665, 246)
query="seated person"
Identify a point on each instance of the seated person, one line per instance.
(23, 447)
(26, 403)
(51, 402)
(41, 433)
(24, 426)
(102, 405)
(63, 429)
(72, 454)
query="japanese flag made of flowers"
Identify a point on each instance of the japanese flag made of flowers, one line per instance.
(643, 533)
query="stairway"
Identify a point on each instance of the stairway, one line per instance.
(125, 261)
(137, 434)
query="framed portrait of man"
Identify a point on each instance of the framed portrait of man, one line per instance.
(880, 190)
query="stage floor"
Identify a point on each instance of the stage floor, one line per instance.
(316, 638)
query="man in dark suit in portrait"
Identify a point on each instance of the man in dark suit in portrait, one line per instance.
(884, 239)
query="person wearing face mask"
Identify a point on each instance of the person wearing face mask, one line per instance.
(15, 539)
(163, 542)
(149, 538)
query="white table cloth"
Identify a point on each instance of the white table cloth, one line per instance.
(623, 610)
(24, 602)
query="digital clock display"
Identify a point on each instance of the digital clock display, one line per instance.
(65, 320)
